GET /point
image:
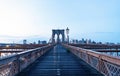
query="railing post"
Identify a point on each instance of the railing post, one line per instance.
(0, 53)
(88, 58)
(19, 65)
(99, 63)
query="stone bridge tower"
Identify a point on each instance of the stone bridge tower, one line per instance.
(58, 32)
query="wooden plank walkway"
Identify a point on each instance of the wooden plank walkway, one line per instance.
(59, 62)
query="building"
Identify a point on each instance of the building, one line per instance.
(24, 41)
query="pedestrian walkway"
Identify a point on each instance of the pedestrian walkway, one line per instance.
(59, 62)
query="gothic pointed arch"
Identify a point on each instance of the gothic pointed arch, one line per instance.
(58, 32)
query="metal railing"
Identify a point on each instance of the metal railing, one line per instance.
(14, 64)
(105, 64)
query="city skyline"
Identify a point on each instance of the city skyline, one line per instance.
(35, 19)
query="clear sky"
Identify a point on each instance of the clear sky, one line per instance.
(98, 20)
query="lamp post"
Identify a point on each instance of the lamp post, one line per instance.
(67, 32)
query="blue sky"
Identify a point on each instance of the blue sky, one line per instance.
(98, 20)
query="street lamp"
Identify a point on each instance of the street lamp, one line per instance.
(67, 32)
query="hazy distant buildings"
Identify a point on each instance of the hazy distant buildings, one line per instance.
(34, 42)
(84, 41)
(39, 42)
(42, 42)
(24, 41)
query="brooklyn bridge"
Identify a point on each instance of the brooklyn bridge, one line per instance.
(60, 58)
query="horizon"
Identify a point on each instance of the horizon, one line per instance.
(34, 19)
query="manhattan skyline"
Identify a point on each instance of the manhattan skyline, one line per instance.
(98, 20)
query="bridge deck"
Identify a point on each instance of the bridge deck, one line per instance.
(59, 62)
